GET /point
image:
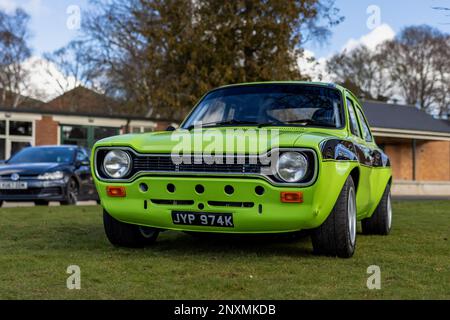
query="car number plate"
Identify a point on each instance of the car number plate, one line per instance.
(13, 185)
(203, 219)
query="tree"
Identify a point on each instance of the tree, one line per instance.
(413, 66)
(14, 50)
(417, 60)
(74, 65)
(161, 56)
(363, 70)
(442, 67)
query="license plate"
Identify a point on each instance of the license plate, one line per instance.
(203, 219)
(13, 185)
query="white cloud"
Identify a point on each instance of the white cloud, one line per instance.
(316, 67)
(372, 39)
(8, 5)
(45, 81)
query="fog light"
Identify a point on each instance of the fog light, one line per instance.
(291, 197)
(113, 191)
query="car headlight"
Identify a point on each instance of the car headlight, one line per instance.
(56, 175)
(292, 166)
(117, 163)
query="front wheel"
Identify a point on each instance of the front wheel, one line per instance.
(381, 220)
(127, 235)
(337, 235)
(71, 194)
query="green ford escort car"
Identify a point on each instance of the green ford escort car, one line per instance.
(274, 157)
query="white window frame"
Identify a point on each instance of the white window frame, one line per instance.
(9, 139)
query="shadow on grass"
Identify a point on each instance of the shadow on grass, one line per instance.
(92, 238)
(231, 245)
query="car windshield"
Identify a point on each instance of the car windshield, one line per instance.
(272, 104)
(36, 155)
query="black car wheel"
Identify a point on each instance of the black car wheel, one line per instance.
(128, 235)
(41, 203)
(72, 193)
(337, 235)
(381, 220)
(1, 204)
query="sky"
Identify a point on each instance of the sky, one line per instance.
(50, 18)
(54, 22)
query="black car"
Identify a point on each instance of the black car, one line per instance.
(47, 173)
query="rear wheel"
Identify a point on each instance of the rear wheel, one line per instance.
(72, 193)
(128, 235)
(381, 220)
(337, 235)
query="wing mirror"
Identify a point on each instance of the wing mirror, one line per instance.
(171, 128)
(82, 163)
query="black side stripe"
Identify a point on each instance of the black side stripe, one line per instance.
(343, 150)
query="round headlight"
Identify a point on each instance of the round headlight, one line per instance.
(117, 163)
(292, 166)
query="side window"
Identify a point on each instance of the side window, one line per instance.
(365, 127)
(354, 127)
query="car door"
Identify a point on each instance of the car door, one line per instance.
(83, 172)
(364, 156)
(372, 146)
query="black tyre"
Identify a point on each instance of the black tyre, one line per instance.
(1, 204)
(381, 220)
(337, 235)
(127, 235)
(71, 193)
(41, 203)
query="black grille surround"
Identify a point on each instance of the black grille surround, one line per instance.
(242, 165)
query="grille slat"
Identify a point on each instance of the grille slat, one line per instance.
(164, 163)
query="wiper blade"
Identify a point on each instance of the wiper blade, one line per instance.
(312, 122)
(224, 123)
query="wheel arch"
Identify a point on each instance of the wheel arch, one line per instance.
(355, 174)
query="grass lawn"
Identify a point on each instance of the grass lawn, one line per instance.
(38, 243)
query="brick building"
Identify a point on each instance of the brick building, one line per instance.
(80, 116)
(417, 144)
(418, 147)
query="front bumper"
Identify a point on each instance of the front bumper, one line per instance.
(257, 213)
(36, 190)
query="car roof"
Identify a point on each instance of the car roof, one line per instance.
(318, 83)
(64, 146)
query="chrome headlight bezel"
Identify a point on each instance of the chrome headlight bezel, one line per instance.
(295, 162)
(121, 157)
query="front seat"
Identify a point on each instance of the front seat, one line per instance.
(326, 115)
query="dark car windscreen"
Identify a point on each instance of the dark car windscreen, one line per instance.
(277, 104)
(43, 155)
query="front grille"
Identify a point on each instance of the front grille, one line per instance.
(157, 163)
(53, 191)
(165, 164)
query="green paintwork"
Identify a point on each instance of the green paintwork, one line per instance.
(319, 198)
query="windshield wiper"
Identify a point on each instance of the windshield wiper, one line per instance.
(312, 122)
(224, 123)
